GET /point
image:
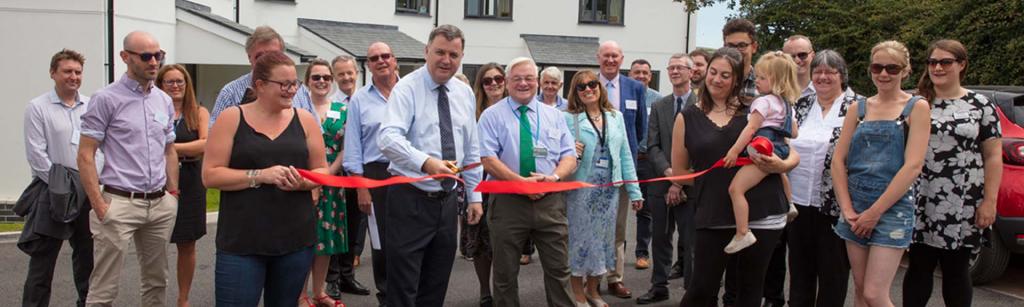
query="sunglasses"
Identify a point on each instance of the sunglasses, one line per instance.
(327, 78)
(382, 57)
(147, 56)
(892, 69)
(944, 62)
(801, 55)
(584, 86)
(739, 46)
(493, 80)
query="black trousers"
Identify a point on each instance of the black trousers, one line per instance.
(644, 221)
(341, 266)
(421, 241)
(819, 269)
(665, 221)
(774, 278)
(710, 261)
(379, 171)
(43, 261)
(956, 277)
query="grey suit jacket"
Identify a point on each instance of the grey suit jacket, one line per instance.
(659, 131)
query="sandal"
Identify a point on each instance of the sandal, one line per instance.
(326, 301)
(304, 301)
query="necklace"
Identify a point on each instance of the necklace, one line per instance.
(594, 117)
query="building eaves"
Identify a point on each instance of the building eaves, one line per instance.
(206, 13)
(562, 50)
(355, 38)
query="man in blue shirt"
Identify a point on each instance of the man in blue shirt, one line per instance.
(366, 111)
(522, 139)
(264, 39)
(430, 129)
(550, 85)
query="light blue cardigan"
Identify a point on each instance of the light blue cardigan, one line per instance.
(622, 158)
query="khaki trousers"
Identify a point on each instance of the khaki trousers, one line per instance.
(620, 236)
(149, 224)
(512, 220)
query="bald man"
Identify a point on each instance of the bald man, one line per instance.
(627, 96)
(800, 48)
(130, 121)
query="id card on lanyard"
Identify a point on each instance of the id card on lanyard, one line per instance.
(602, 160)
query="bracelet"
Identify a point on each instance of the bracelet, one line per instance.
(251, 174)
(557, 178)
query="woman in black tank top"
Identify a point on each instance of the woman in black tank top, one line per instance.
(266, 225)
(701, 136)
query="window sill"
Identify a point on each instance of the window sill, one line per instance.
(601, 23)
(411, 13)
(496, 18)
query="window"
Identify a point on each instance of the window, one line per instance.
(498, 9)
(601, 11)
(420, 7)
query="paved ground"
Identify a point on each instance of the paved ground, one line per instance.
(462, 291)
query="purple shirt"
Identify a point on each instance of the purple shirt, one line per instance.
(133, 129)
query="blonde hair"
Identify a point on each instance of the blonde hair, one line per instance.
(896, 50)
(780, 69)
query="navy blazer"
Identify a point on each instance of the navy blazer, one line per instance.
(636, 119)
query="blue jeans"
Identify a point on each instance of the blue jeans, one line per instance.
(239, 279)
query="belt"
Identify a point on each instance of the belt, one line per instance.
(435, 195)
(142, 195)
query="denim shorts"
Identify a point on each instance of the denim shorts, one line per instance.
(780, 148)
(894, 228)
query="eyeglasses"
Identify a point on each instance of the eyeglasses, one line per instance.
(679, 68)
(739, 46)
(147, 56)
(178, 83)
(499, 79)
(382, 56)
(327, 78)
(825, 72)
(944, 62)
(800, 55)
(289, 85)
(593, 84)
(892, 69)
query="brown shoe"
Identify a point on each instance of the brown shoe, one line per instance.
(642, 263)
(619, 290)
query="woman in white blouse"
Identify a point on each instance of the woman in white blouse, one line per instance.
(819, 268)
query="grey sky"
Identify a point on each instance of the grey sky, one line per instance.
(709, 24)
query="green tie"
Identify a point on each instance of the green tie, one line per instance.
(527, 164)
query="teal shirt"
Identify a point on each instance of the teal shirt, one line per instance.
(622, 158)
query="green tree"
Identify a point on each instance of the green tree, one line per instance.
(992, 31)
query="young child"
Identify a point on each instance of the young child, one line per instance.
(771, 117)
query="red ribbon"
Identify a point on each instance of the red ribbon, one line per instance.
(760, 144)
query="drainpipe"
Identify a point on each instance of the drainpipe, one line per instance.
(437, 11)
(688, 14)
(238, 9)
(110, 41)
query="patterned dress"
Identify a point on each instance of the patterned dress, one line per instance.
(951, 186)
(331, 226)
(591, 214)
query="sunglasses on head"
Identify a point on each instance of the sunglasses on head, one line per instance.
(382, 56)
(499, 79)
(944, 62)
(147, 56)
(800, 55)
(584, 86)
(321, 77)
(892, 69)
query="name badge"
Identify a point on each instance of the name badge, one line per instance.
(75, 136)
(630, 104)
(540, 152)
(603, 162)
(961, 115)
(333, 114)
(160, 118)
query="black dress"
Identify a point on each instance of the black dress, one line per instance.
(190, 224)
(266, 221)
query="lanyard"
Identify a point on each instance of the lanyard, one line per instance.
(601, 134)
(515, 112)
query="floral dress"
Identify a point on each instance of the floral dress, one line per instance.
(591, 213)
(331, 226)
(829, 204)
(951, 186)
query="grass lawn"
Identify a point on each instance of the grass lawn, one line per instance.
(212, 205)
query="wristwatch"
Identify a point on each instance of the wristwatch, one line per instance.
(557, 178)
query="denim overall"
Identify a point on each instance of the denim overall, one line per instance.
(876, 154)
(779, 134)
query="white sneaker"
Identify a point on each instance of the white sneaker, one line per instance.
(737, 245)
(792, 214)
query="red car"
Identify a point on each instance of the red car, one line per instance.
(1008, 231)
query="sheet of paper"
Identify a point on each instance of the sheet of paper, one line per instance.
(374, 233)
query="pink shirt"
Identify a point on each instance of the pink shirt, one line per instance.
(772, 108)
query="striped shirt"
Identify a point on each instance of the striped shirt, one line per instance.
(52, 131)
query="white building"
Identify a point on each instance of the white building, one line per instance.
(208, 36)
